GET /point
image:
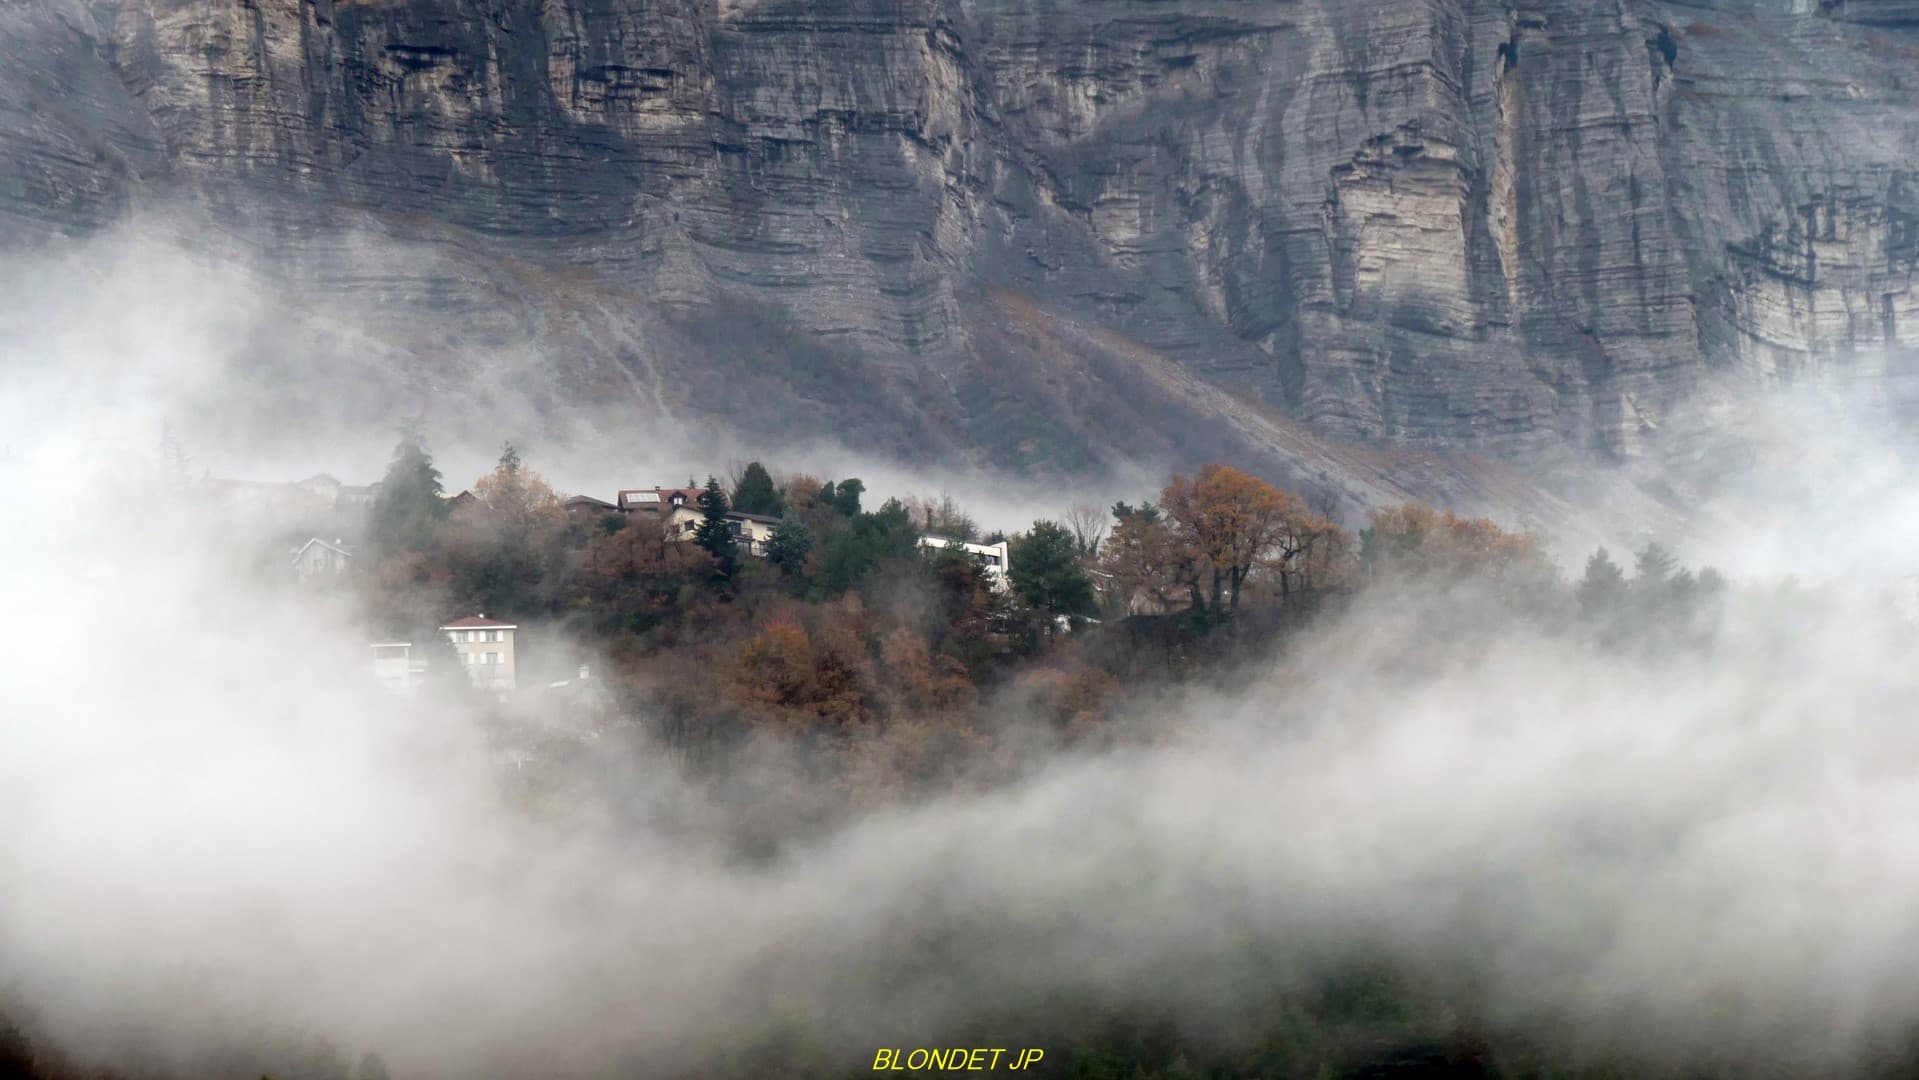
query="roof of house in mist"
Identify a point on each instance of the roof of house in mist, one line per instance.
(336, 547)
(319, 479)
(649, 498)
(588, 500)
(475, 622)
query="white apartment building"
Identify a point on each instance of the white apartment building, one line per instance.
(485, 646)
(996, 558)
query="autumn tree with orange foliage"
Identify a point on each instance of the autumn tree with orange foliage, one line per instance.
(928, 738)
(1419, 540)
(516, 496)
(1229, 525)
(914, 681)
(805, 682)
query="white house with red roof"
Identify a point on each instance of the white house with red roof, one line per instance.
(485, 646)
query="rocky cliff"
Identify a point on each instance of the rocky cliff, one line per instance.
(1524, 227)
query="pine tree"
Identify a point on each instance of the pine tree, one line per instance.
(409, 508)
(1653, 567)
(1046, 572)
(846, 499)
(715, 533)
(1603, 589)
(756, 493)
(789, 545)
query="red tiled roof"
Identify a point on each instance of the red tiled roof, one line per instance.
(473, 623)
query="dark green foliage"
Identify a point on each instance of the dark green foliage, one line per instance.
(409, 509)
(968, 612)
(789, 545)
(846, 499)
(497, 575)
(1047, 574)
(16, 1052)
(756, 493)
(1602, 592)
(843, 496)
(1663, 604)
(850, 554)
(1653, 568)
(445, 678)
(1148, 513)
(715, 533)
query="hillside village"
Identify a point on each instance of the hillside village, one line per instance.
(780, 604)
(484, 647)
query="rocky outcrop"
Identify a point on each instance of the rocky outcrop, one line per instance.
(1529, 227)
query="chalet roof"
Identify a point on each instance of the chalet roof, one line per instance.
(655, 498)
(477, 622)
(335, 548)
(319, 478)
(588, 500)
(744, 516)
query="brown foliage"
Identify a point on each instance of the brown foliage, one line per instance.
(1227, 525)
(916, 682)
(1140, 562)
(641, 563)
(1077, 700)
(519, 498)
(1418, 539)
(804, 682)
(942, 515)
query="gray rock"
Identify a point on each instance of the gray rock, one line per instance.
(974, 228)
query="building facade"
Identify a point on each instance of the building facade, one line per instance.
(996, 559)
(318, 560)
(396, 668)
(678, 511)
(485, 647)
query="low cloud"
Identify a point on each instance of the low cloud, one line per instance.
(211, 825)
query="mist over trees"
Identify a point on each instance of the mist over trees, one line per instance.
(842, 630)
(890, 672)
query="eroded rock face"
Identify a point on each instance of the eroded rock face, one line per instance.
(1523, 226)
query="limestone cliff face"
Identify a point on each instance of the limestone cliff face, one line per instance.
(1520, 226)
